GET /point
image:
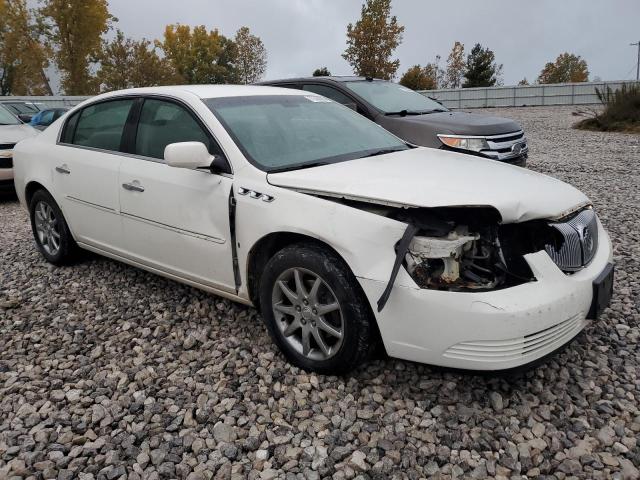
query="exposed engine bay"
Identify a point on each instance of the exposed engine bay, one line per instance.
(459, 260)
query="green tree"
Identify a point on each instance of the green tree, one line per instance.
(251, 62)
(127, 63)
(199, 56)
(75, 28)
(321, 72)
(455, 67)
(420, 78)
(481, 69)
(22, 57)
(372, 40)
(567, 68)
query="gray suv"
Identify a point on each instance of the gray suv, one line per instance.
(418, 119)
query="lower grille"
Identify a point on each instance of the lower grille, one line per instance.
(7, 146)
(513, 349)
(579, 241)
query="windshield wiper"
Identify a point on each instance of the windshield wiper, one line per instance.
(404, 113)
(384, 151)
(298, 167)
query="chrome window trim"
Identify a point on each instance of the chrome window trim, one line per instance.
(136, 95)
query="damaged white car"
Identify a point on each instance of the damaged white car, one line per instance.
(340, 233)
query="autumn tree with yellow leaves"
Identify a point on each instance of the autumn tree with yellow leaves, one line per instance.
(199, 55)
(22, 57)
(75, 29)
(128, 63)
(251, 61)
(372, 40)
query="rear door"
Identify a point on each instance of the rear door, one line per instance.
(174, 219)
(85, 172)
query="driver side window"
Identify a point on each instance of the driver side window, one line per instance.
(162, 123)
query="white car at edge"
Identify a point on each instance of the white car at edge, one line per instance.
(339, 232)
(12, 130)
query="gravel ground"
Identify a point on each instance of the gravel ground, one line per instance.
(107, 372)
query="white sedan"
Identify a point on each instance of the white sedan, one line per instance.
(12, 130)
(340, 233)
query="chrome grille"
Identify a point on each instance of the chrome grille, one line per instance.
(506, 146)
(579, 241)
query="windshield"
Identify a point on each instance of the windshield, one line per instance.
(8, 118)
(23, 108)
(286, 132)
(393, 98)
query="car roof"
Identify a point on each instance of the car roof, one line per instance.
(333, 78)
(203, 91)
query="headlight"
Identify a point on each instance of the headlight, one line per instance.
(475, 144)
(6, 153)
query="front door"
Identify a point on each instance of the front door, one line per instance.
(175, 219)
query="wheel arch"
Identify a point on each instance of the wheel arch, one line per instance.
(267, 246)
(32, 187)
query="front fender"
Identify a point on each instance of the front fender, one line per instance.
(363, 239)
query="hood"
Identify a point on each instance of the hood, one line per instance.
(15, 133)
(458, 123)
(424, 177)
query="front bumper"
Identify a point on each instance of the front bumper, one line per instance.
(495, 330)
(6, 179)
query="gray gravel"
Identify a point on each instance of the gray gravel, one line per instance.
(107, 372)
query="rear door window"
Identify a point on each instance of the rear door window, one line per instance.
(101, 125)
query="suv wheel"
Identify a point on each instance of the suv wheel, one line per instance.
(50, 229)
(315, 310)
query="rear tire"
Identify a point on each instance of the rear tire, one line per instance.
(315, 311)
(50, 230)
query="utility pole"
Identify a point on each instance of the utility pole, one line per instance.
(638, 64)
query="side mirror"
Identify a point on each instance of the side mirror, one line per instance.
(194, 155)
(24, 117)
(189, 155)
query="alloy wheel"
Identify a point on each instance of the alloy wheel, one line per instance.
(47, 228)
(308, 313)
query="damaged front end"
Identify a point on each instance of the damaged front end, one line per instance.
(466, 249)
(469, 249)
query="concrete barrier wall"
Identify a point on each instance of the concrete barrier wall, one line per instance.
(525, 95)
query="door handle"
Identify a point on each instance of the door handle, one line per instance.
(133, 187)
(63, 169)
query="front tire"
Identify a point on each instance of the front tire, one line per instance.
(50, 229)
(315, 311)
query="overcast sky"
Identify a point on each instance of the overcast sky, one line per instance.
(301, 35)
